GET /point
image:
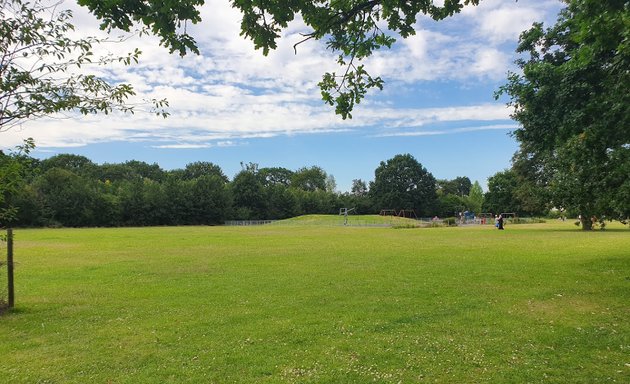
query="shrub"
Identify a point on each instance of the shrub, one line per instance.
(450, 221)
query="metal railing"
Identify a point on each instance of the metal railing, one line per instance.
(246, 223)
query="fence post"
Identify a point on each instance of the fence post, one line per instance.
(10, 267)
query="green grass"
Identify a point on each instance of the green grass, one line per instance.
(540, 303)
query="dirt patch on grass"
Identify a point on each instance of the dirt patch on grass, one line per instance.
(560, 307)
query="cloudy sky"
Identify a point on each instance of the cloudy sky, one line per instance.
(231, 104)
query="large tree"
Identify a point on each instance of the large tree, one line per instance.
(353, 29)
(77, 164)
(41, 67)
(203, 168)
(248, 194)
(573, 103)
(309, 179)
(532, 192)
(211, 200)
(475, 198)
(459, 186)
(502, 193)
(359, 188)
(276, 176)
(403, 183)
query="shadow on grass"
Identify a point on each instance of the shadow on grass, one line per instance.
(5, 311)
(615, 229)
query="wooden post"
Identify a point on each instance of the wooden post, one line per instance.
(10, 267)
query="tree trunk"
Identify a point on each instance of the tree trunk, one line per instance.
(10, 285)
(587, 224)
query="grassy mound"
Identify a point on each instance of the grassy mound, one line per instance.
(353, 220)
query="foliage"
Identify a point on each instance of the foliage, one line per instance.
(211, 200)
(501, 195)
(352, 29)
(403, 183)
(281, 202)
(450, 204)
(331, 184)
(72, 190)
(309, 179)
(13, 168)
(475, 198)
(458, 195)
(359, 187)
(531, 192)
(450, 221)
(573, 103)
(248, 193)
(163, 18)
(76, 164)
(68, 198)
(142, 170)
(38, 59)
(203, 168)
(319, 304)
(459, 186)
(276, 176)
(129, 170)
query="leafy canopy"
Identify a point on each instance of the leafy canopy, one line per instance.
(40, 67)
(13, 167)
(573, 103)
(403, 183)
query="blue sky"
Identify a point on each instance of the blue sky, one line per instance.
(231, 104)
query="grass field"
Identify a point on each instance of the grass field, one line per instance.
(540, 303)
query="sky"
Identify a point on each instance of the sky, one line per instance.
(232, 104)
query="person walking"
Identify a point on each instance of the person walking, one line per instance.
(500, 221)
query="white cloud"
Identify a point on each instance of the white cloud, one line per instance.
(232, 92)
(498, 21)
(221, 144)
(506, 23)
(213, 127)
(490, 62)
(449, 131)
(417, 117)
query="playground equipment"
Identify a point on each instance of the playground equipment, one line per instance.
(408, 213)
(345, 212)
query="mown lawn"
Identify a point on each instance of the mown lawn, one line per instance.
(541, 303)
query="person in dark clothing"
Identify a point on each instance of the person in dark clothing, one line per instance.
(500, 221)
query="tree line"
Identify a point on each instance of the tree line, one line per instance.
(71, 190)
